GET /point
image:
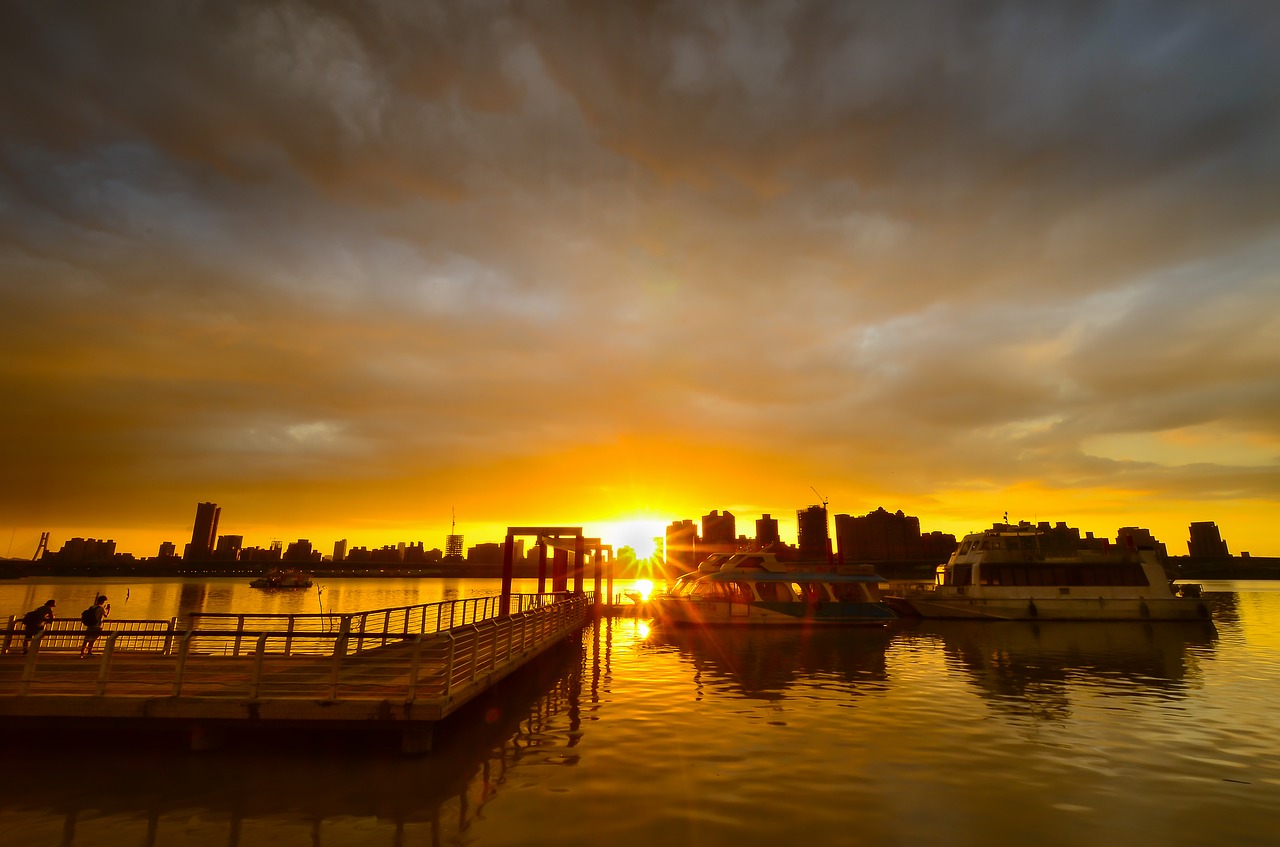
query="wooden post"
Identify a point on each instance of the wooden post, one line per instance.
(609, 571)
(508, 565)
(579, 562)
(542, 565)
(599, 564)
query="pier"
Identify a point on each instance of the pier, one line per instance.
(398, 670)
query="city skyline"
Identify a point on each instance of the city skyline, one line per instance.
(342, 271)
(880, 534)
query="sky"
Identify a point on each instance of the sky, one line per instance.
(352, 270)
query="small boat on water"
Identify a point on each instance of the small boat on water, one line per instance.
(1012, 572)
(282, 578)
(756, 589)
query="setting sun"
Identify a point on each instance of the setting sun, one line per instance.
(639, 534)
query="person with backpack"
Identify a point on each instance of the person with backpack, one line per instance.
(92, 619)
(33, 622)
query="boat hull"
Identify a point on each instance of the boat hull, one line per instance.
(685, 612)
(1055, 608)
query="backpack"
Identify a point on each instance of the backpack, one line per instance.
(88, 618)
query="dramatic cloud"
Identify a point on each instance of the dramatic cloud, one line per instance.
(341, 268)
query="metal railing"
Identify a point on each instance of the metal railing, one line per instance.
(406, 665)
(138, 636)
(366, 630)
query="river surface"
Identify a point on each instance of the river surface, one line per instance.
(947, 733)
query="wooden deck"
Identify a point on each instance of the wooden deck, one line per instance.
(216, 679)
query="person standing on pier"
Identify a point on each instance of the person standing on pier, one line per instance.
(33, 622)
(92, 618)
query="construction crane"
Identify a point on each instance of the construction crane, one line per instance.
(820, 497)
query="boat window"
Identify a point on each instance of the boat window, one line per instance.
(770, 592)
(849, 592)
(708, 590)
(964, 547)
(815, 592)
(751, 563)
(962, 575)
(741, 592)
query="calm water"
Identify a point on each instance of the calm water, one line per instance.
(944, 733)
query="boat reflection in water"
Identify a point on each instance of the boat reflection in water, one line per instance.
(766, 662)
(1036, 668)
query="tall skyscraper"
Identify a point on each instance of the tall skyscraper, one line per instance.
(767, 531)
(682, 539)
(340, 550)
(719, 532)
(1206, 542)
(205, 533)
(812, 535)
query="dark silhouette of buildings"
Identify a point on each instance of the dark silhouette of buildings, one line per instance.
(767, 531)
(883, 536)
(681, 545)
(813, 536)
(1206, 542)
(78, 550)
(1137, 538)
(301, 551)
(719, 532)
(204, 534)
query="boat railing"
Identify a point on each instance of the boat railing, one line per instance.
(67, 634)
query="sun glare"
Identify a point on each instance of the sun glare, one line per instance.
(639, 535)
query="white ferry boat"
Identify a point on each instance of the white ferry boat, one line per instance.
(756, 589)
(1007, 573)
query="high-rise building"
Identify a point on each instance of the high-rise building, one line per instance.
(767, 531)
(813, 538)
(205, 532)
(1206, 542)
(719, 532)
(883, 536)
(340, 550)
(229, 547)
(682, 539)
(453, 547)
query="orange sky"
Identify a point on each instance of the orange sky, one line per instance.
(342, 272)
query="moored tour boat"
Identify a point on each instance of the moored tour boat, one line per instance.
(282, 578)
(1013, 572)
(756, 589)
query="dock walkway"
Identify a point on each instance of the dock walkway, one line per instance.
(403, 669)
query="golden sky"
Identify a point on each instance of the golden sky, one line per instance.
(343, 268)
